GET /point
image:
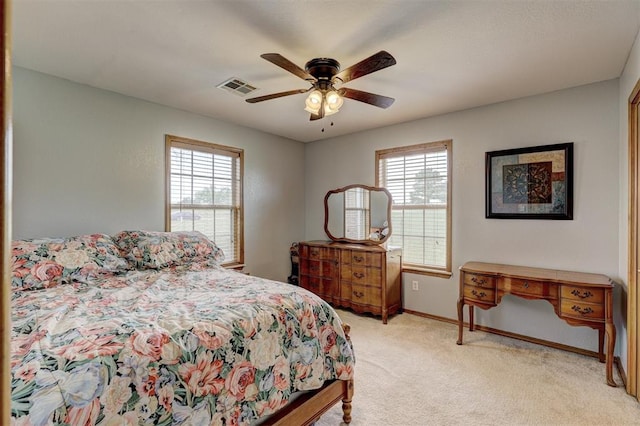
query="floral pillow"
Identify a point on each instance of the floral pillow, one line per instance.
(157, 250)
(47, 262)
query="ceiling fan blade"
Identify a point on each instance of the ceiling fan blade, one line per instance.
(366, 97)
(373, 63)
(276, 95)
(284, 63)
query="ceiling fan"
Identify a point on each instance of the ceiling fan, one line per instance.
(324, 74)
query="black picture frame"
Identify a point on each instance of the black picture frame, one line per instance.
(530, 183)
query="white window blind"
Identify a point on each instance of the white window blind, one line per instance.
(418, 178)
(205, 193)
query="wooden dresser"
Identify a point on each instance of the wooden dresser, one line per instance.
(365, 278)
(578, 298)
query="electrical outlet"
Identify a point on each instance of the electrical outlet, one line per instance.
(414, 285)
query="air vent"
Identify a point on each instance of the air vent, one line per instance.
(237, 86)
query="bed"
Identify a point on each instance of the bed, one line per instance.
(148, 328)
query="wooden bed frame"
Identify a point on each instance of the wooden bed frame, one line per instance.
(310, 406)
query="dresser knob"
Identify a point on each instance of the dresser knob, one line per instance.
(525, 284)
(358, 294)
(358, 274)
(358, 258)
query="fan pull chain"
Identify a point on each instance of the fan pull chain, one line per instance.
(323, 127)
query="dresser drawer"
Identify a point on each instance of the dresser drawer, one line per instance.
(310, 267)
(310, 283)
(329, 268)
(319, 253)
(365, 295)
(585, 294)
(304, 251)
(477, 280)
(366, 276)
(325, 268)
(321, 287)
(582, 310)
(365, 258)
(480, 294)
(523, 286)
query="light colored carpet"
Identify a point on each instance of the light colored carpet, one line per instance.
(411, 372)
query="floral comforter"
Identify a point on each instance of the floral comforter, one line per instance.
(193, 346)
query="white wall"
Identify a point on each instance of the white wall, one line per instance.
(88, 160)
(587, 116)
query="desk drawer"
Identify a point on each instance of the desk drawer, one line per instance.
(523, 287)
(483, 281)
(575, 309)
(479, 294)
(585, 294)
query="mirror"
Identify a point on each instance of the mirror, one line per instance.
(358, 214)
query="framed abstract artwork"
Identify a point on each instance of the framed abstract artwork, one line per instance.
(530, 183)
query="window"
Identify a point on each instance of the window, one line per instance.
(419, 180)
(204, 193)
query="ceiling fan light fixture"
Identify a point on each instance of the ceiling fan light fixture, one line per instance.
(333, 102)
(313, 102)
(323, 74)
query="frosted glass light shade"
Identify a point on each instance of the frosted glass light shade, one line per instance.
(313, 102)
(333, 102)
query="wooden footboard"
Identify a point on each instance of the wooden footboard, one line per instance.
(310, 406)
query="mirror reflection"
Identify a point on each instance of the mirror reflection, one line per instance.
(358, 214)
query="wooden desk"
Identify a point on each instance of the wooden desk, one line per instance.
(578, 298)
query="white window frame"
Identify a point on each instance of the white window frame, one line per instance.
(443, 270)
(231, 259)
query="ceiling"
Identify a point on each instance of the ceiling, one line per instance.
(451, 55)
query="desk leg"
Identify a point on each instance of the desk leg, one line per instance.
(460, 319)
(610, 330)
(471, 310)
(601, 356)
